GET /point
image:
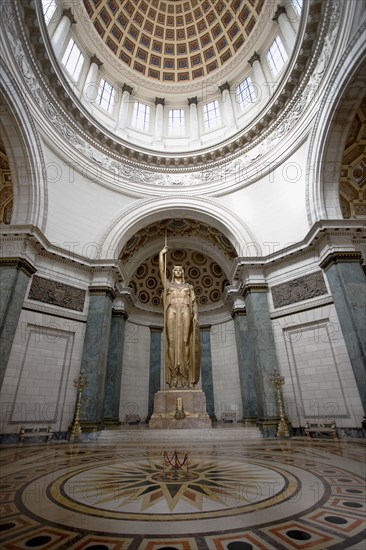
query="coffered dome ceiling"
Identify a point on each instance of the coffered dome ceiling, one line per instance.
(174, 40)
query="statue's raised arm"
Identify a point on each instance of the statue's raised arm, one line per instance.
(162, 265)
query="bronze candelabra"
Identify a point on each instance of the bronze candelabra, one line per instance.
(80, 384)
(278, 381)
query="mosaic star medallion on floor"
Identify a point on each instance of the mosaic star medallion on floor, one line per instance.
(231, 497)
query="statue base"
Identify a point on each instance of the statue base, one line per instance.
(168, 415)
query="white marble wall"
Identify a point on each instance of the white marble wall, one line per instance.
(135, 371)
(312, 356)
(225, 370)
(38, 387)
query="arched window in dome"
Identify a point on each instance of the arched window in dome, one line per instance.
(297, 5)
(106, 96)
(276, 56)
(176, 124)
(73, 59)
(49, 8)
(141, 116)
(211, 115)
(245, 93)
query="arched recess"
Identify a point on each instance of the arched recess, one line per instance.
(336, 113)
(25, 156)
(149, 211)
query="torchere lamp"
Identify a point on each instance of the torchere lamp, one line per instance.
(80, 382)
(278, 381)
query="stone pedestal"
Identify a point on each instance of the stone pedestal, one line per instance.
(165, 407)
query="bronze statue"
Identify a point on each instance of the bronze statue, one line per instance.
(182, 350)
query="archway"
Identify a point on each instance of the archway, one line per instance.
(336, 113)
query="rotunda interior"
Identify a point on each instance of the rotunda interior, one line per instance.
(231, 130)
(234, 133)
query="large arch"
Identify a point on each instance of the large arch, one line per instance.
(149, 211)
(336, 112)
(25, 156)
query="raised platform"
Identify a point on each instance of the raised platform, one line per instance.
(143, 434)
(193, 414)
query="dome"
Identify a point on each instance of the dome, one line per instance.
(182, 83)
(175, 40)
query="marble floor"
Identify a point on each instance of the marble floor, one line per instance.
(226, 495)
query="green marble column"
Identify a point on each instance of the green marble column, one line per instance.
(206, 370)
(263, 355)
(14, 279)
(347, 283)
(112, 390)
(155, 367)
(246, 368)
(94, 358)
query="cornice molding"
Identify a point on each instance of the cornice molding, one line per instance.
(19, 263)
(316, 238)
(102, 290)
(340, 258)
(284, 110)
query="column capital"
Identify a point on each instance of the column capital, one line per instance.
(68, 13)
(254, 287)
(101, 290)
(127, 88)
(279, 11)
(19, 263)
(160, 101)
(255, 57)
(119, 313)
(340, 257)
(205, 327)
(192, 100)
(224, 86)
(96, 60)
(154, 328)
(242, 312)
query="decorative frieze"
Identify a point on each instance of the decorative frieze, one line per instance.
(57, 294)
(298, 290)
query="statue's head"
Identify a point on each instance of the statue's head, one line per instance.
(178, 273)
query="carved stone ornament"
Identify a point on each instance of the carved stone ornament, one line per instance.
(57, 294)
(297, 290)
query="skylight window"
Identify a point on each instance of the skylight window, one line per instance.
(211, 114)
(49, 8)
(176, 124)
(73, 59)
(141, 116)
(245, 93)
(276, 56)
(297, 5)
(106, 95)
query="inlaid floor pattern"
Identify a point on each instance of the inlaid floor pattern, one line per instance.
(220, 495)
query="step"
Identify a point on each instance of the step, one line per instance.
(209, 434)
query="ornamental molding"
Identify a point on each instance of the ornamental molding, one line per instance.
(57, 294)
(220, 165)
(299, 307)
(299, 289)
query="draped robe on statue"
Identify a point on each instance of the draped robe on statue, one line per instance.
(182, 346)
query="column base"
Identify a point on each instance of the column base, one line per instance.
(250, 421)
(270, 427)
(193, 415)
(91, 426)
(111, 423)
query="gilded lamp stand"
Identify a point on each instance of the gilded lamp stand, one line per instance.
(80, 384)
(277, 380)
